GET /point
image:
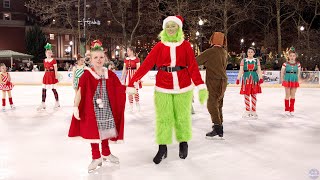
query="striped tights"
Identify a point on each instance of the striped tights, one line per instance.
(253, 102)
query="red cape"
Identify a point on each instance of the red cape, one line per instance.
(87, 127)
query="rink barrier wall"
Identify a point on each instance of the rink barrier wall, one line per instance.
(271, 78)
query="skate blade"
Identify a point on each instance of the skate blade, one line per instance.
(94, 170)
(113, 162)
(214, 138)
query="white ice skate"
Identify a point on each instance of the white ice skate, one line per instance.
(138, 107)
(12, 107)
(57, 105)
(111, 158)
(42, 106)
(287, 114)
(291, 114)
(246, 114)
(254, 115)
(3, 109)
(94, 164)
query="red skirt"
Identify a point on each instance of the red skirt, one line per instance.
(289, 84)
(250, 87)
(6, 87)
(49, 78)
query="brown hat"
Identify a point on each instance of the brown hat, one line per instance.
(218, 38)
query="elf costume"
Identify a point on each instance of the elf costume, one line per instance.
(250, 86)
(49, 78)
(177, 72)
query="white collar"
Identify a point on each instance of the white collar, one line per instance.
(46, 60)
(173, 44)
(250, 60)
(95, 75)
(133, 58)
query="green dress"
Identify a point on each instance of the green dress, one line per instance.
(250, 79)
(290, 79)
(77, 74)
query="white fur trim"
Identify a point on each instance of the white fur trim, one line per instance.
(202, 86)
(79, 138)
(172, 18)
(130, 90)
(175, 81)
(173, 91)
(95, 75)
(116, 142)
(136, 85)
(133, 58)
(48, 86)
(173, 44)
(86, 140)
(173, 56)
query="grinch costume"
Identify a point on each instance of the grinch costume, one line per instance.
(215, 61)
(177, 72)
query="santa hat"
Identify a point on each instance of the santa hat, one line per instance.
(177, 19)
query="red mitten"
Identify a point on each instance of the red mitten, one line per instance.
(261, 81)
(238, 81)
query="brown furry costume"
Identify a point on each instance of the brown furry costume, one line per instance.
(215, 61)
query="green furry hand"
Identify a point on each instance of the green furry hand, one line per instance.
(203, 95)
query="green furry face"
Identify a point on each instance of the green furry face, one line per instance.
(172, 33)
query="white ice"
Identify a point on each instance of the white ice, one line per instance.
(34, 145)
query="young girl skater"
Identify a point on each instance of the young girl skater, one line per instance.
(50, 78)
(78, 70)
(6, 86)
(99, 108)
(131, 65)
(250, 71)
(290, 77)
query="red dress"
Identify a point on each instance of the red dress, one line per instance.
(7, 86)
(131, 67)
(49, 75)
(87, 127)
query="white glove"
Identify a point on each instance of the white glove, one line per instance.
(76, 113)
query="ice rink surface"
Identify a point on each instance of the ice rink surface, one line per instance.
(34, 145)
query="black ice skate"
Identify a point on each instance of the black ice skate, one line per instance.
(217, 130)
(162, 154)
(183, 150)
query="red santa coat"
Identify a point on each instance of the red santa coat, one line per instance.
(171, 54)
(87, 127)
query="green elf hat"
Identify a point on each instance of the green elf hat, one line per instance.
(48, 46)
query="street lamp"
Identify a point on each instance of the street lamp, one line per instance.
(201, 22)
(197, 33)
(71, 44)
(241, 43)
(253, 44)
(301, 28)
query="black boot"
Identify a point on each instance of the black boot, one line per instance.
(162, 154)
(183, 150)
(216, 130)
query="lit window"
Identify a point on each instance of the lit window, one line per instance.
(51, 36)
(6, 3)
(66, 37)
(7, 16)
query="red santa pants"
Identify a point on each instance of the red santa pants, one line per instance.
(104, 147)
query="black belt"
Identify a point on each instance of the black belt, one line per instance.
(129, 68)
(171, 69)
(250, 70)
(291, 72)
(49, 70)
